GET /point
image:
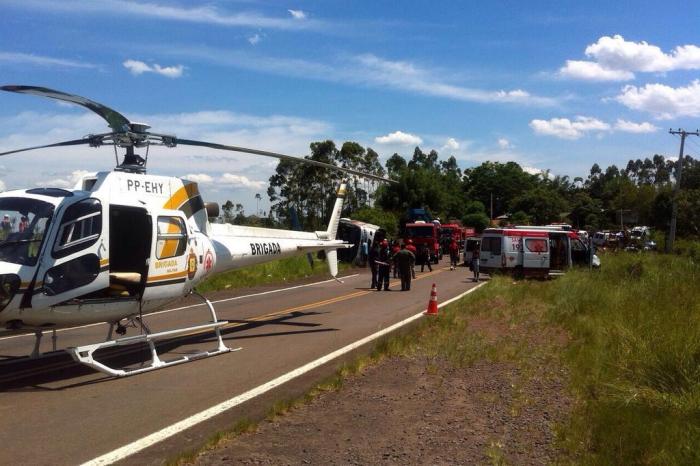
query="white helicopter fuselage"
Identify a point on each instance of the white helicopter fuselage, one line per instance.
(123, 243)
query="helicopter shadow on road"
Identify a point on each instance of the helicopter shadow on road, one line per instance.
(24, 374)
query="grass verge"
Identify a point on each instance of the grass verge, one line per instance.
(627, 335)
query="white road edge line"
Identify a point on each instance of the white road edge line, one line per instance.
(152, 439)
(193, 305)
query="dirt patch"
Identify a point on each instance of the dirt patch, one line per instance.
(421, 410)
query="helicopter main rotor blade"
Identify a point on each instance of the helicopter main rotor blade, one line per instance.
(116, 121)
(212, 145)
(74, 142)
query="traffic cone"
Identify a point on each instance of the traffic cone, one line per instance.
(432, 304)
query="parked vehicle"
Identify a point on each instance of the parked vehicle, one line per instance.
(425, 233)
(640, 239)
(471, 244)
(449, 232)
(601, 238)
(533, 251)
(357, 233)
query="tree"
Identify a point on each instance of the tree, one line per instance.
(387, 220)
(541, 204)
(227, 208)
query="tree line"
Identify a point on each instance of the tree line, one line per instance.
(640, 193)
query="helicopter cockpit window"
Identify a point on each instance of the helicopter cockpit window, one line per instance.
(172, 237)
(81, 226)
(24, 223)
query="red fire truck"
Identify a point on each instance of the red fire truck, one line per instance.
(533, 251)
(425, 233)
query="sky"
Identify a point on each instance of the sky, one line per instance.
(553, 86)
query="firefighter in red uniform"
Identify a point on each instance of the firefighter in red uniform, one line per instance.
(454, 254)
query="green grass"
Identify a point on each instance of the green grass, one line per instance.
(632, 357)
(282, 270)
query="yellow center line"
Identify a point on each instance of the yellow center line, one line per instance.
(337, 298)
(264, 317)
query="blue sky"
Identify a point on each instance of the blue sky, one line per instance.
(551, 85)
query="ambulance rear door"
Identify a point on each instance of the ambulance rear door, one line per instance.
(491, 251)
(536, 251)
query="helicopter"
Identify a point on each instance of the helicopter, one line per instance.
(124, 243)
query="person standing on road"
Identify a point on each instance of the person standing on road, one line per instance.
(475, 264)
(405, 260)
(383, 266)
(372, 257)
(412, 249)
(454, 254)
(395, 247)
(424, 257)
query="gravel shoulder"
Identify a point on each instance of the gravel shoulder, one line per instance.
(502, 408)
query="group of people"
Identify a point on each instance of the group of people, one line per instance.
(402, 258)
(7, 226)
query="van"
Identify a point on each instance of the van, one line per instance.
(532, 251)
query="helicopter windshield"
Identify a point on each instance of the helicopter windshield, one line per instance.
(24, 223)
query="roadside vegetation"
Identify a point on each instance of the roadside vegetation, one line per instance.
(626, 338)
(633, 353)
(279, 271)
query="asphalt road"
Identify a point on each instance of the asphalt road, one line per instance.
(53, 411)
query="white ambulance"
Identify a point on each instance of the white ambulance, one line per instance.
(533, 251)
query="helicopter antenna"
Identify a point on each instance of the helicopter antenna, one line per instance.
(116, 156)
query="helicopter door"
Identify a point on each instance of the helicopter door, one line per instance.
(168, 269)
(130, 235)
(75, 260)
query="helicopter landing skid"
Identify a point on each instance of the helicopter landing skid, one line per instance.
(84, 354)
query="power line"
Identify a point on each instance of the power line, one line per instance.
(676, 190)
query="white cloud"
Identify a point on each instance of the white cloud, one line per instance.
(505, 144)
(564, 128)
(254, 39)
(297, 14)
(616, 59)
(40, 60)
(366, 70)
(399, 137)
(240, 181)
(617, 53)
(592, 71)
(632, 127)
(67, 181)
(538, 171)
(450, 144)
(198, 14)
(408, 76)
(201, 178)
(137, 67)
(664, 102)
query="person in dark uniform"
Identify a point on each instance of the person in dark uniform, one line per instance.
(423, 257)
(372, 259)
(394, 249)
(383, 266)
(405, 261)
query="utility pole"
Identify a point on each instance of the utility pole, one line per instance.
(677, 188)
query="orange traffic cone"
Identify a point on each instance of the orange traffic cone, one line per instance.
(432, 304)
